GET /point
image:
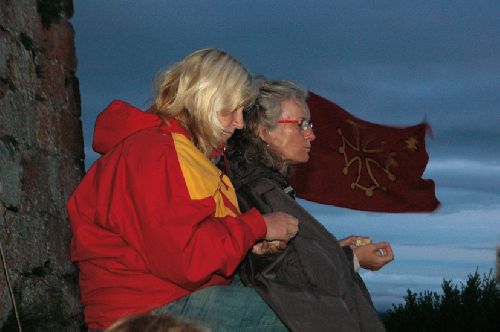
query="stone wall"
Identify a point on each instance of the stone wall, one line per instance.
(41, 162)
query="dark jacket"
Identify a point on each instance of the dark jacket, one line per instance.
(311, 285)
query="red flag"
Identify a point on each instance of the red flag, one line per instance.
(364, 166)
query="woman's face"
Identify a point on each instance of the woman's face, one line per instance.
(231, 121)
(289, 140)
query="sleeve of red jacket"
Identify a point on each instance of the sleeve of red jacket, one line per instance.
(183, 241)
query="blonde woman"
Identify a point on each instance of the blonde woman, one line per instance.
(156, 226)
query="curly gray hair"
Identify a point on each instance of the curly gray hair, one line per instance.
(265, 112)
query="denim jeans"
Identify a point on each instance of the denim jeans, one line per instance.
(225, 308)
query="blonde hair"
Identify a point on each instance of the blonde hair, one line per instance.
(198, 89)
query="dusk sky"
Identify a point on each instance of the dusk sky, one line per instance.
(389, 62)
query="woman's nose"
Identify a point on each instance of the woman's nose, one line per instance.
(238, 119)
(309, 134)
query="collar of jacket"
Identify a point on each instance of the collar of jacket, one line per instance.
(243, 172)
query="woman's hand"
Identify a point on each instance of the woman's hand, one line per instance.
(349, 241)
(281, 226)
(374, 256)
(268, 247)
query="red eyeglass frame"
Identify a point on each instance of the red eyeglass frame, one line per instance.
(289, 121)
(298, 122)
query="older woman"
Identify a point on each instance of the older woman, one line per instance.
(156, 226)
(312, 284)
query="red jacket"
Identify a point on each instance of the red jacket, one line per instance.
(153, 219)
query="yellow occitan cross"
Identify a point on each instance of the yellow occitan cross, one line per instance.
(364, 161)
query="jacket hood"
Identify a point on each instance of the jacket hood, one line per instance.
(118, 121)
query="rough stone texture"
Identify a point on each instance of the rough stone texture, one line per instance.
(41, 162)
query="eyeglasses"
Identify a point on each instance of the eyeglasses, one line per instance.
(303, 124)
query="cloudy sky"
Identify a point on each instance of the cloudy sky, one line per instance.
(391, 62)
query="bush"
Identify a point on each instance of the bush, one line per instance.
(473, 307)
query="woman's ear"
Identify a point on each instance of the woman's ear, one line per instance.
(264, 134)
